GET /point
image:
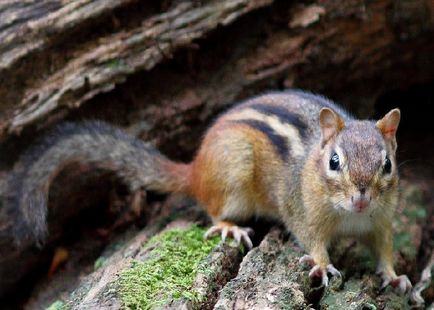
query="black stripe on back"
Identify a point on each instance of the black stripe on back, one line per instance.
(279, 142)
(284, 116)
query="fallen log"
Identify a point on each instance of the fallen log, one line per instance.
(162, 72)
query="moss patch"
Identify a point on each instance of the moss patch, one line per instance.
(173, 261)
(57, 305)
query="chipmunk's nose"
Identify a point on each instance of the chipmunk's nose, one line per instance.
(360, 200)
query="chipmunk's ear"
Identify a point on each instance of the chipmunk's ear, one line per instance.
(388, 125)
(331, 123)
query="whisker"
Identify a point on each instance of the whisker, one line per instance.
(407, 161)
(336, 205)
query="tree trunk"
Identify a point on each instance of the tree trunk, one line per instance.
(162, 71)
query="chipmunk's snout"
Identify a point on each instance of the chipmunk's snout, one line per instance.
(361, 200)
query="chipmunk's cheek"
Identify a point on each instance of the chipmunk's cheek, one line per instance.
(348, 206)
(342, 203)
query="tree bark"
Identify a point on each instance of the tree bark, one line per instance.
(96, 65)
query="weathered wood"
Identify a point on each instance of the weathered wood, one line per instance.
(98, 68)
(33, 30)
(28, 26)
(269, 277)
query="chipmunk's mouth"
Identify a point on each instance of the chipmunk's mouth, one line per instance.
(360, 204)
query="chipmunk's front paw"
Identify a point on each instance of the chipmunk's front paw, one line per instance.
(318, 272)
(240, 234)
(400, 283)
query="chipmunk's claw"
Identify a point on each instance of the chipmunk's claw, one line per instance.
(401, 283)
(333, 271)
(307, 260)
(318, 272)
(240, 234)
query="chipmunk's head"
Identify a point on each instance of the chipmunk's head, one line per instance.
(358, 162)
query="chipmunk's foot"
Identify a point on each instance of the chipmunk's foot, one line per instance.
(318, 272)
(401, 283)
(240, 234)
(307, 260)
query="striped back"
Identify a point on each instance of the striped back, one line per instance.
(289, 120)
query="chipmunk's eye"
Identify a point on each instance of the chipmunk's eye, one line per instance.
(387, 168)
(334, 162)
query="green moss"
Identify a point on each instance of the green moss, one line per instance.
(99, 262)
(57, 305)
(174, 260)
(370, 306)
(115, 64)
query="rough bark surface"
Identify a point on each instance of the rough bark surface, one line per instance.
(162, 70)
(269, 277)
(97, 65)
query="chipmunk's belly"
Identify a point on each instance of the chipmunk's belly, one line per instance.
(354, 224)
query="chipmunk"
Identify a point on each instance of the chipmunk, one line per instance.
(291, 156)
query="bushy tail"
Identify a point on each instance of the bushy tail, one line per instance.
(139, 165)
